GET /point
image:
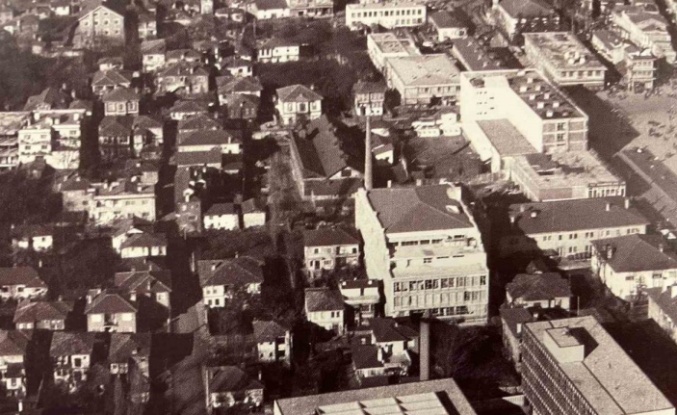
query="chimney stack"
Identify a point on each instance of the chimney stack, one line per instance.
(608, 206)
(368, 169)
(627, 203)
(424, 346)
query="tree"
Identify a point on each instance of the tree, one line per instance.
(392, 100)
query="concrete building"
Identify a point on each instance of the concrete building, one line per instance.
(221, 279)
(662, 306)
(630, 263)
(477, 54)
(327, 249)
(21, 283)
(385, 14)
(515, 17)
(425, 246)
(545, 290)
(568, 228)
(646, 30)
(637, 65)
(99, 21)
(324, 307)
(423, 79)
(573, 366)
(296, 101)
(441, 396)
(564, 59)
(382, 46)
(362, 296)
(273, 342)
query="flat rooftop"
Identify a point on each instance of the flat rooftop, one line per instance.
(425, 70)
(564, 50)
(568, 169)
(477, 56)
(385, 5)
(607, 377)
(390, 43)
(435, 397)
(505, 138)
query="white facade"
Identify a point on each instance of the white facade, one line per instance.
(279, 54)
(290, 111)
(387, 14)
(329, 320)
(223, 221)
(254, 219)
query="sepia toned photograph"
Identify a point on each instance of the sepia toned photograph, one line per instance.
(338, 207)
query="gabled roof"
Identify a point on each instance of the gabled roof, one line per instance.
(230, 379)
(184, 69)
(239, 271)
(229, 84)
(365, 356)
(297, 93)
(116, 126)
(145, 239)
(198, 158)
(238, 100)
(329, 236)
(420, 208)
(27, 276)
(109, 303)
(123, 346)
(323, 299)
(91, 5)
(218, 209)
(111, 77)
(210, 137)
(120, 95)
(32, 230)
(199, 122)
(146, 281)
(445, 19)
(271, 4)
(386, 330)
(526, 8)
(183, 54)
(153, 47)
(53, 97)
(515, 316)
(13, 343)
(536, 287)
(634, 253)
(29, 312)
(188, 106)
(124, 225)
(252, 205)
(65, 343)
(267, 331)
(146, 122)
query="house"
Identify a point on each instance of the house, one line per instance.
(109, 63)
(512, 323)
(311, 8)
(327, 249)
(273, 342)
(230, 387)
(146, 25)
(369, 98)
(121, 101)
(71, 354)
(99, 21)
(646, 30)
(37, 237)
(423, 79)
(116, 137)
(546, 290)
(564, 59)
(49, 99)
(383, 347)
(221, 279)
(227, 86)
(297, 101)
(253, 213)
(183, 109)
(242, 106)
(21, 283)
(128, 349)
(153, 54)
(14, 345)
(108, 311)
(10, 125)
(235, 66)
(630, 263)
(221, 216)
(190, 56)
(42, 315)
(106, 81)
(269, 9)
(362, 296)
(448, 26)
(279, 50)
(324, 307)
(568, 228)
(151, 284)
(515, 17)
(149, 130)
(228, 141)
(389, 15)
(424, 246)
(183, 78)
(321, 166)
(144, 244)
(200, 122)
(124, 228)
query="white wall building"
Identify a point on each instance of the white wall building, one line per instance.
(387, 14)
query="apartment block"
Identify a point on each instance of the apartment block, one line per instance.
(382, 46)
(387, 14)
(423, 79)
(99, 20)
(424, 245)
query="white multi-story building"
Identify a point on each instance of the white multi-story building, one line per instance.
(279, 50)
(297, 101)
(99, 21)
(423, 79)
(647, 30)
(324, 307)
(425, 246)
(382, 46)
(387, 14)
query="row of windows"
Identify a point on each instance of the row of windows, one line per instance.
(580, 74)
(442, 283)
(388, 13)
(429, 300)
(574, 235)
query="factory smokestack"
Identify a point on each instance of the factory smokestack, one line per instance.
(368, 169)
(424, 347)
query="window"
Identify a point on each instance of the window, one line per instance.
(427, 260)
(630, 278)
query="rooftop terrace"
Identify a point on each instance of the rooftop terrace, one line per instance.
(563, 50)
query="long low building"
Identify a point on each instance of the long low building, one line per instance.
(422, 79)
(435, 397)
(387, 14)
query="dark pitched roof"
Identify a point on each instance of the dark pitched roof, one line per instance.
(198, 158)
(446, 19)
(13, 342)
(111, 77)
(146, 122)
(515, 316)
(120, 95)
(252, 205)
(189, 106)
(364, 87)
(184, 69)
(154, 46)
(27, 276)
(571, 215)
(146, 281)
(328, 236)
(125, 345)
(421, 208)
(90, 5)
(218, 209)
(297, 93)
(109, 303)
(199, 122)
(271, 4)
(266, 331)
(32, 230)
(29, 312)
(663, 297)
(387, 330)
(54, 97)
(230, 379)
(66, 343)
(323, 299)
(236, 271)
(632, 253)
(145, 239)
(535, 287)
(210, 137)
(116, 126)
(229, 84)
(365, 356)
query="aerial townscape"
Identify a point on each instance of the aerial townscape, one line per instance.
(325, 207)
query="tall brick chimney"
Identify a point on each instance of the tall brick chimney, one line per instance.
(424, 347)
(368, 168)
